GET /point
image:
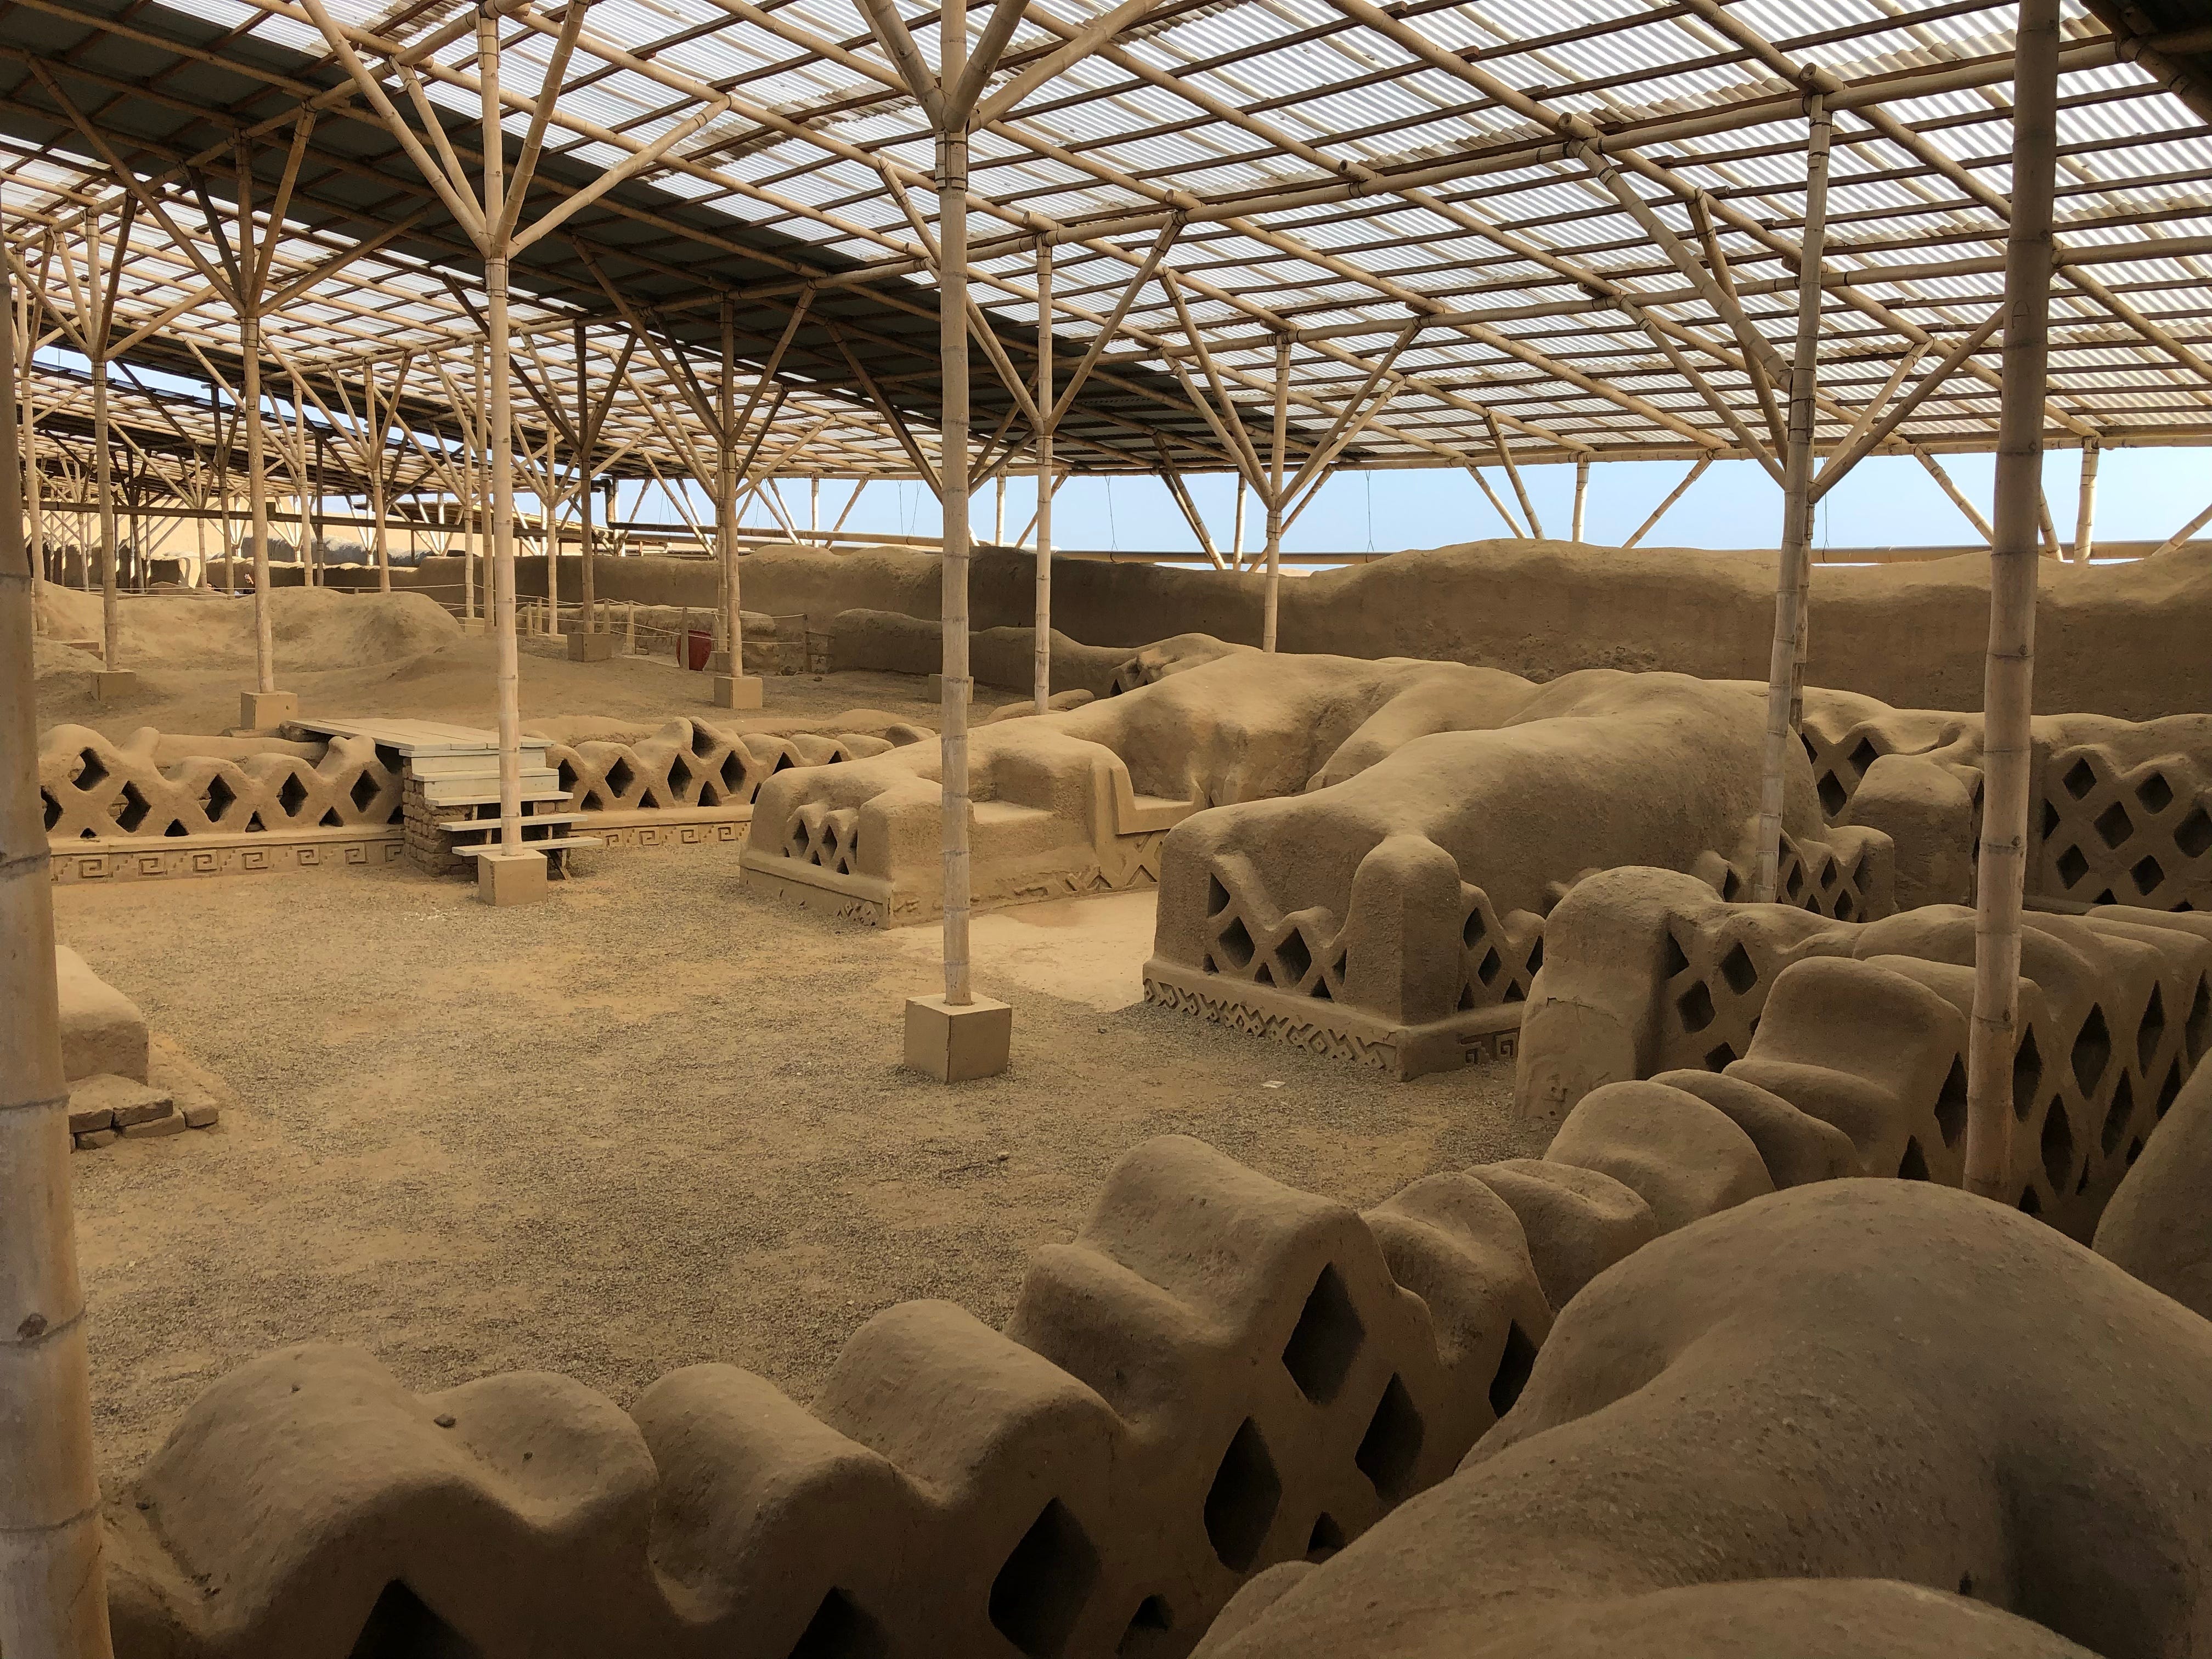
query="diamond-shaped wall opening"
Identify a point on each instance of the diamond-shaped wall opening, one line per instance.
(680, 775)
(2117, 1114)
(1040, 1592)
(131, 811)
(1217, 897)
(365, 789)
(1738, 969)
(2029, 1203)
(2049, 821)
(401, 1625)
(1695, 1005)
(2194, 836)
(1863, 755)
(1390, 1451)
(566, 771)
(733, 773)
(1295, 958)
(1486, 969)
(841, 1629)
(1236, 942)
(2081, 778)
(1951, 1103)
(1262, 975)
(2148, 875)
(217, 798)
(1147, 1631)
(1833, 799)
(90, 773)
(1326, 1539)
(1514, 1365)
(2093, 1052)
(1720, 1058)
(2168, 1090)
(2155, 793)
(2151, 1030)
(1472, 930)
(1793, 885)
(2058, 1146)
(1325, 1340)
(1674, 960)
(1240, 1505)
(2114, 824)
(2027, 1076)
(1913, 1166)
(292, 794)
(1731, 885)
(1844, 909)
(2072, 866)
(2198, 1025)
(620, 776)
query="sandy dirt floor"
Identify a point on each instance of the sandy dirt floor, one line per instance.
(656, 1121)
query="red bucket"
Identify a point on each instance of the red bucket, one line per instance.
(698, 649)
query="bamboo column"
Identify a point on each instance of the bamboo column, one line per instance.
(2008, 679)
(1275, 493)
(549, 522)
(1783, 671)
(476, 538)
(952, 477)
(53, 1592)
(103, 463)
(256, 463)
(587, 592)
(499, 232)
(1582, 495)
(1237, 535)
(725, 494)
(1044, 398)
(372, 452)
(2085, 514)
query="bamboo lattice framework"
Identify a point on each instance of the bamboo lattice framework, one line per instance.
(1461, 231)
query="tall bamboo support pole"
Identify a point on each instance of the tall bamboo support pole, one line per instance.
(372, 452)
(587, 593)
(476, 538)
(548, 523)
(34, 487)
(1236, 534)
(103, 462)
(725, 491)
(2085, 513)
(1044, 398)
(1582, 495)
(1783, 671)
(53, 1594)
(1274, 496)
(501, 418)
(2008, 679)
(952, 475)
(257, 461)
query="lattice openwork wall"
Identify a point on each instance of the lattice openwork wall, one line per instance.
(93, 790)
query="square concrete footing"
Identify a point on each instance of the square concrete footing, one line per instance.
(744, 692)
(505, 878)
(473, 625)
(264, 711)
(113, 685)
(955, 1042)
(590, 647)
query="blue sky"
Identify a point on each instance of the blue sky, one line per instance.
(1888, 501)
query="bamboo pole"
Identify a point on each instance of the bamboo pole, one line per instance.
(733, 628)
(2009, 682)
(587, 592)
(1582, 495)
(1697, 472)
(547, 499)
(53, 1592)
(498, 234)
(1042, 643)
(103, 462)
(1789, 593)
(2085, 511)
(1236, 534)
(257, 462)
(952, 476)
(1273, 499)
(476, 538)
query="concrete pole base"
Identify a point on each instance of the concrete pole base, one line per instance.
(590, 647)
(511, 877)
(745, 691)
(473, 627)
(955, 1044)
(264, 711)
(113, 685)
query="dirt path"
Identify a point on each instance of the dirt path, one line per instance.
(657, 1121)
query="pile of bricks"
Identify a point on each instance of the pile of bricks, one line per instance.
(429, 849)
(106, 1109)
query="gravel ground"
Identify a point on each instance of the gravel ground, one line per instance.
(657, 1121)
